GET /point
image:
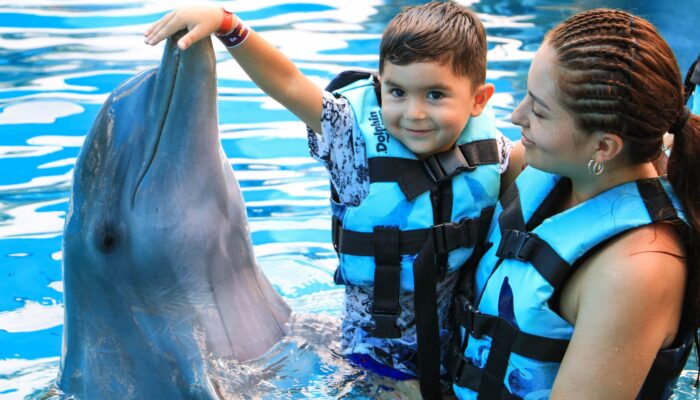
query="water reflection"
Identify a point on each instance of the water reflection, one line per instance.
(59, 59)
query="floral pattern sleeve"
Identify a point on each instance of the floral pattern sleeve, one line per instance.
(341, 150)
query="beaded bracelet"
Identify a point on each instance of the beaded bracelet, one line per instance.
(232, 37)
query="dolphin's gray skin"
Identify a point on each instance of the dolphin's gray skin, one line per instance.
(158, 269)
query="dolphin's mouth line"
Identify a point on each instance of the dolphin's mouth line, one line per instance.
(161, 124)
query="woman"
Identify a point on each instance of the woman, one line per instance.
(589, 289)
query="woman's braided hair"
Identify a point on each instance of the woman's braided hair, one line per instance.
(618, 75)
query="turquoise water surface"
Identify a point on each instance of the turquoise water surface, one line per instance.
(59, 59)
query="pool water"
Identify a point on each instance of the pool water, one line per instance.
(59, 59)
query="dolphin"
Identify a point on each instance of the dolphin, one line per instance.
(158, 269)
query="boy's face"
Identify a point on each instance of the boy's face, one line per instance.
(426, 106)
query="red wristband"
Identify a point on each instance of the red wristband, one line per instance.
(226, 23)
(236, 37)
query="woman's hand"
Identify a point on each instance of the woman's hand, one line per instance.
(200, 21)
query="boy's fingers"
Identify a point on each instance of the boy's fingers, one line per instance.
(164, 32)
(156, 25)
(196, 34)
(155, 33)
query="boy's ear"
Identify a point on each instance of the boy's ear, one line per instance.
(482, 95)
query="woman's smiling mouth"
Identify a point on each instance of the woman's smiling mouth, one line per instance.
(525, 141)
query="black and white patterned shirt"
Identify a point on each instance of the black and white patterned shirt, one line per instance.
(343, 153)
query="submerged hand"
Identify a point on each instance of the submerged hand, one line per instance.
(200, 21)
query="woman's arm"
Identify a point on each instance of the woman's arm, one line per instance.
(625, 304)
(271, 70)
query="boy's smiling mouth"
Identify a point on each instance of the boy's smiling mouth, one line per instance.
(419, 132)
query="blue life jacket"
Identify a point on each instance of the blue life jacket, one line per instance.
(399, 199)
(420, 220)
(512, 339)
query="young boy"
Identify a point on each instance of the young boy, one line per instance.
(415, 168)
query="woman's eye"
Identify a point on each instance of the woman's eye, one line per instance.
(397, 92)
(532, 107)
(434, 95)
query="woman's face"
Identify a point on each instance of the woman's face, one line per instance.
(551, 139)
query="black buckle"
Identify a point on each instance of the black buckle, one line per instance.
(441, 247)
(385, 325)
(466, 308)
(514, 245)
(336, 233)
(464, 230)
(440, 238)
(447, 164)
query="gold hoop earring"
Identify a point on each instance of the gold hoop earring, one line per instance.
(595, 168)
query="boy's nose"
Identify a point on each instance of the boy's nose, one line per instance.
(414, 110)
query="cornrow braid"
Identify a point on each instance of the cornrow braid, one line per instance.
(608, 58)
(619, 76)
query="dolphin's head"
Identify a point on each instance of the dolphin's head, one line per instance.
(159, 272)
(152, 160)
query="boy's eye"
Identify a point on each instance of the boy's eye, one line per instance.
(435, 95)
(397, 92)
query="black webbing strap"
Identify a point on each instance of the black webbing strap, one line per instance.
(441, 199)
(517, 243)
(387, 282)
(416, 177)
(347, 77)
(527, 345)
(491, 386)
(427, 328)
(528, 247)
(391, 169)
(467, 375)
(692, 79)
(512, 215)
(448, 236)
(656, 200)
(667, 366)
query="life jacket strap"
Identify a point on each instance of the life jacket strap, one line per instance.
(447, 236)
(387, 282)
(528, 247)
(416, 177)
(347, 77)
(506, 339)
(525, 344)
(427, 326)
(667, 366)
(467, 375)
(692, 79)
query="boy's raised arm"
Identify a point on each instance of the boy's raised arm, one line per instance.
(268, 67)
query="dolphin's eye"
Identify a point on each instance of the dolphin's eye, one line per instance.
(107, 239)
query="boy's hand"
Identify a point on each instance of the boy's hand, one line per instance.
(200, 21)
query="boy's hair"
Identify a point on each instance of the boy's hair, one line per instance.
(443, 32)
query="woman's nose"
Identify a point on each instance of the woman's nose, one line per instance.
(518, 115)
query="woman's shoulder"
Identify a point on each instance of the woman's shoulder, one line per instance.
(646, 258)
(648, 241)
(638, 271)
